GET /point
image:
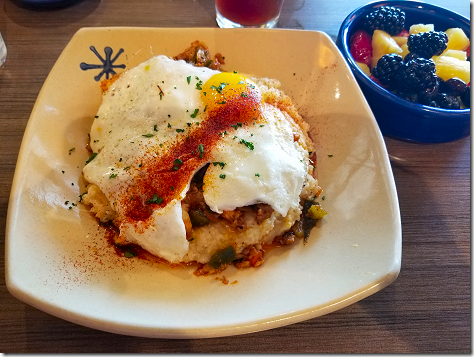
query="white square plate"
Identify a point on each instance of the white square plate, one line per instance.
(59, 261)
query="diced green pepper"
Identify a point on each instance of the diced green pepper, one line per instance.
(316, 212)
(223, 256)
(312, 211)
(198, 218)
(297, 229)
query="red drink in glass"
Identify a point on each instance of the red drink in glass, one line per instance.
(252, 13)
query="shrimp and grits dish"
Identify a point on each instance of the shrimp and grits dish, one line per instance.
(198, 165)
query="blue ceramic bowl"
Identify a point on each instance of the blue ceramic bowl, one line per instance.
(397, 117)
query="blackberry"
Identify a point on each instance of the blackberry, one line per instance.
(408, 95)
(409, 56)
(433, 103)
(418, 75)
(428, 95)
(447, 101)
(428, 44)
(387, 68)
(386, 18)
(466, 97)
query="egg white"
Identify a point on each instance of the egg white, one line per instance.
(138, 118)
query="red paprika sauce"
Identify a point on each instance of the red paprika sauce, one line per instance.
(164, 178)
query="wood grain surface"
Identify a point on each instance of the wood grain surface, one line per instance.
(427, 309)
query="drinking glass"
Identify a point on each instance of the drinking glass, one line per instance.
(248, 13)
(3, 51)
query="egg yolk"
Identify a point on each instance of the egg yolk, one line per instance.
(225, 87)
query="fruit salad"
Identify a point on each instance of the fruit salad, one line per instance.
(416, 63)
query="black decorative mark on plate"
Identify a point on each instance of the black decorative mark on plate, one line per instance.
(107, 65)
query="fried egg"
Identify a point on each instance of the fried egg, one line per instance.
(162, 121)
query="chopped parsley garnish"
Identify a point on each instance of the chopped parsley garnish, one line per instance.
(113, 176)
(198, 84)
(223, 102)
(80, 196)
(155, 199)
(221, 164)
(155, 127)
(188, 79)
(91, 157)
(179, 130)
(126, 168)
(195, 113)
(244, 95)
(177, 163)
(169, 125)
(172, 188)
(189, 124)
(71, 150)
(219, 88)
(247, 144)
(148, 135)
(329, 155)
(200, 150)
(257, 174)
(222, 176)
(205, 108)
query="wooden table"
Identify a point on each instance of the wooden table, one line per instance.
(427, 309)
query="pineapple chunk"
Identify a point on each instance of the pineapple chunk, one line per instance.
(457, 39)
(400, 40)
(382, 44)
(421, 28)
(364, 68)
(449, 67)
(405, 50)
(460, 55)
